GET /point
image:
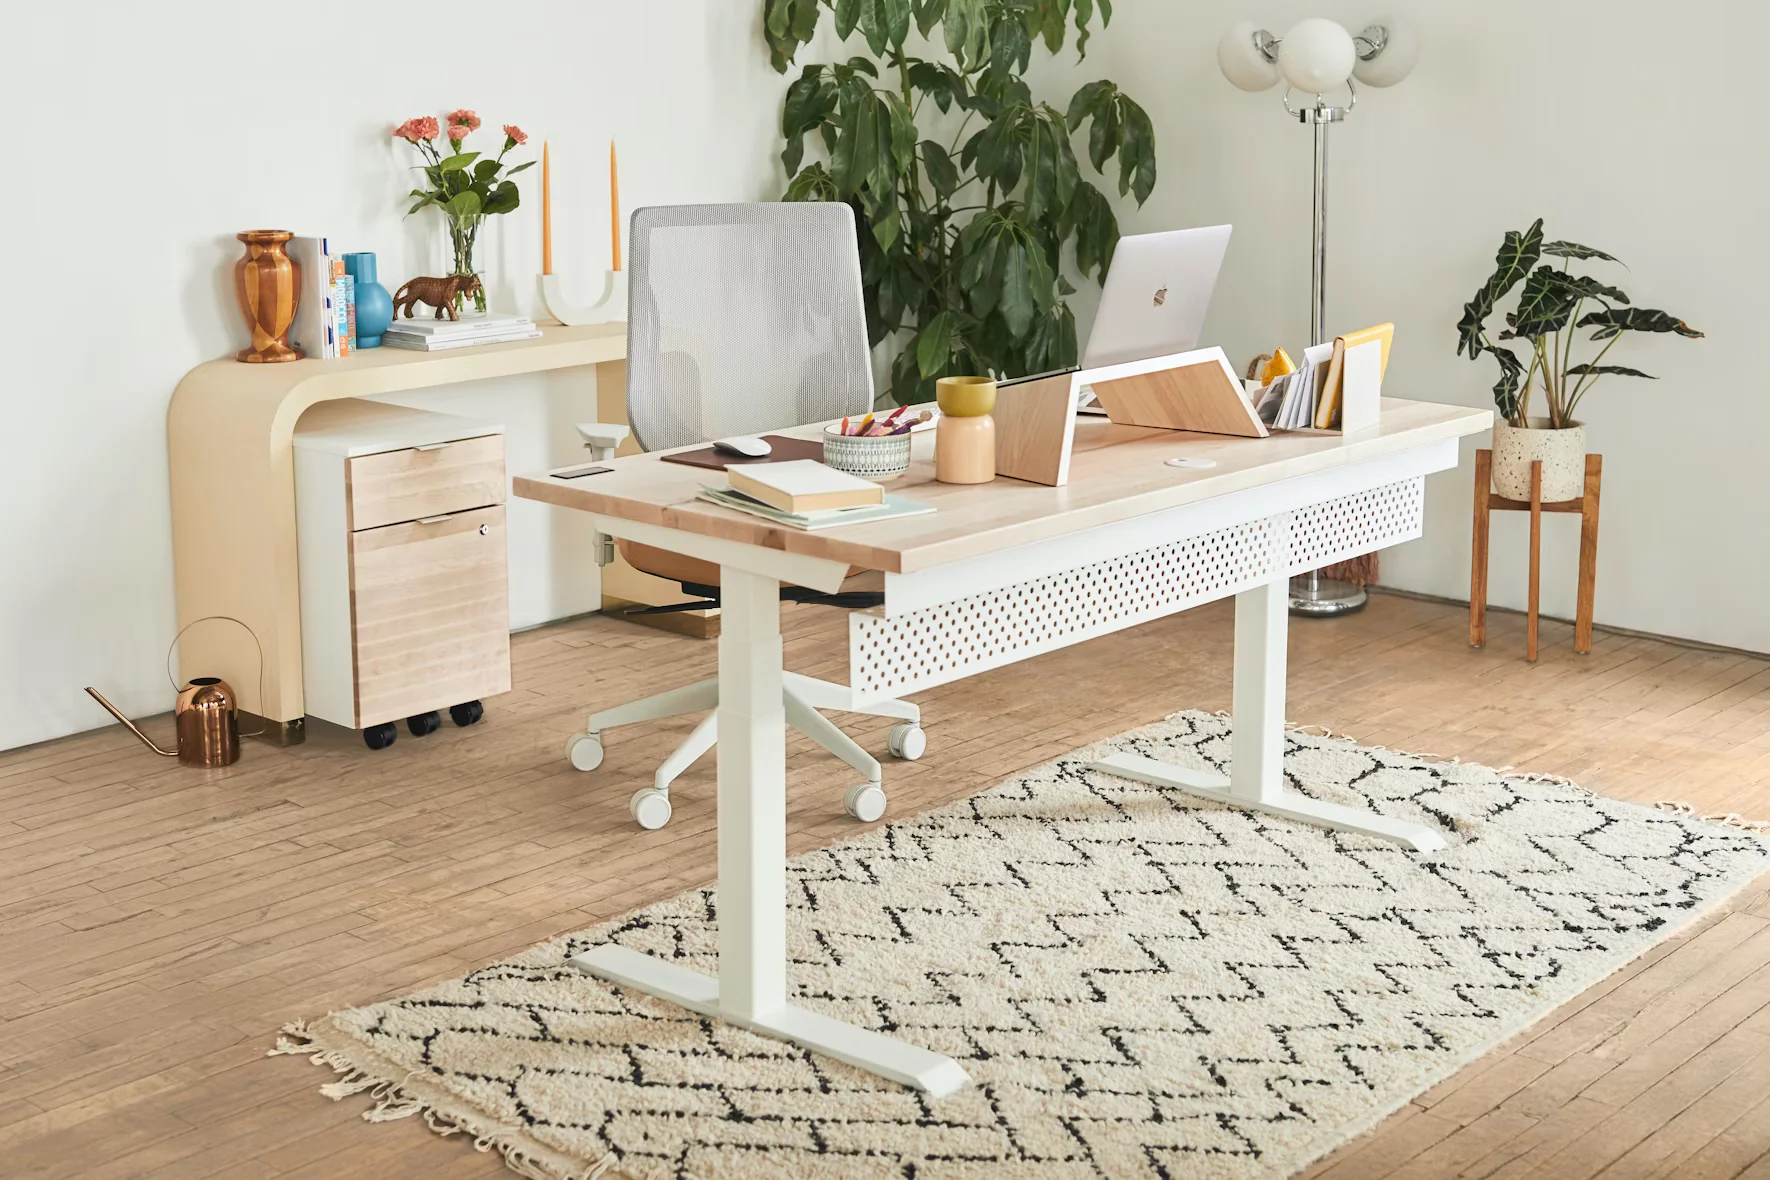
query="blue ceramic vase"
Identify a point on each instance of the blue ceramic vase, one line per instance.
(374, 306)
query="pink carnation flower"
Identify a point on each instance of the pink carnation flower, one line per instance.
(458, 132)
(465, 118)
(516, 133)
(413, 130)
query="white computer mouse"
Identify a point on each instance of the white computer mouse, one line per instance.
(744, 446)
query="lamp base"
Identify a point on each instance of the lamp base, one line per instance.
(1316, 597)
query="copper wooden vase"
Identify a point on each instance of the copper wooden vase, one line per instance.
(268, 284)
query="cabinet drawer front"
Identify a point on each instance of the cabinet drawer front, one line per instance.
(405, 485)
(430, 614)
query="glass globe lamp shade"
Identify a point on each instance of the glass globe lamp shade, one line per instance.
(1242, 63)
(1317, 56)
(1401, 50)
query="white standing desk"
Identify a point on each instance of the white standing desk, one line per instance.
(1001, 572)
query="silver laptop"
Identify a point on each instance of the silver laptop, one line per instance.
(1156, 295)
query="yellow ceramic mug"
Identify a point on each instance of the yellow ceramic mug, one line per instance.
(965, 441)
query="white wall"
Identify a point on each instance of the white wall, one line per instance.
(148, 134)
(1631, 126)
(144, 136)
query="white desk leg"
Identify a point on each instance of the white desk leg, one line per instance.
(751, 990)
(752, 800)
(1256, 773)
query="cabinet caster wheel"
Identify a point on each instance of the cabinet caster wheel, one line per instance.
(423, 723)
(379, 737)
(865, 802)
(650, 808)
(466, 714)
(584, 751)
(907, 741)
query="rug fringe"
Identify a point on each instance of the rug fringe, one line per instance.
(1731, 819)
(393, 1101)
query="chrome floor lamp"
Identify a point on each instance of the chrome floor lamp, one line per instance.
(1319, 57)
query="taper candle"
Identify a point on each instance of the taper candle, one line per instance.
(546, 212)
(614, 208)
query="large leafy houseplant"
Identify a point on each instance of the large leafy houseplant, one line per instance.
(965, 187)
(1547, 319)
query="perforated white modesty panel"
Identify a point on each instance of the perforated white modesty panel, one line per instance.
(1353, 525)
(910, 652)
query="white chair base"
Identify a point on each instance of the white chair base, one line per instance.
(802, 696)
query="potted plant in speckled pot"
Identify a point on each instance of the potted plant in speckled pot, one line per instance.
(1552, 307)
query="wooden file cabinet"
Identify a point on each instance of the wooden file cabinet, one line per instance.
(405, 605)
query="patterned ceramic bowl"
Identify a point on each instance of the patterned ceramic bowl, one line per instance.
(880, 456)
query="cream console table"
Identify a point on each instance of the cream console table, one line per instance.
(230, 432)
(999, 573)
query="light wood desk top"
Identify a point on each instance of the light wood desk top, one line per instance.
(1116, 472)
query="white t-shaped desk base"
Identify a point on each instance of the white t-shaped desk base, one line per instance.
(751, 990)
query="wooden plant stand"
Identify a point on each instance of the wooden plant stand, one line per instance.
(1587, 507)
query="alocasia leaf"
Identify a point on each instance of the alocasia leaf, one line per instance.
(1587, 287)
(1505, 390)
(1575, 250)
(1518, 253)
(1545, 305)
(1614, 320)
(1614, 370)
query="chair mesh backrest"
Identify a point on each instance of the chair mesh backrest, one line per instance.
(743, 318)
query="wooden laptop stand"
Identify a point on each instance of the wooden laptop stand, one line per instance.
(1587, 507)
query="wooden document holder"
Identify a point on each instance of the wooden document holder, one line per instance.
(1035, 428)
(1186, 391)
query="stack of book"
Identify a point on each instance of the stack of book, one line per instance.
(433, 335)
(325, 313)
(806, 494)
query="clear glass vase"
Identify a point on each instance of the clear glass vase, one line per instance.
(463, 237)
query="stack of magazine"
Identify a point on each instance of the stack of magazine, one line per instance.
(433, 335)
(806, 494)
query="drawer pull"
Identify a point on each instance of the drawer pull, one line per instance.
(434, 519)
(485, 530)
(433, 446)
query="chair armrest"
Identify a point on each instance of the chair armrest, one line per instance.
(602, 438)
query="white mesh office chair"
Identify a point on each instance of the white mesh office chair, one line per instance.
(743, 319)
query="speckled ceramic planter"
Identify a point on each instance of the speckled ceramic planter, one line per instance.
(1563, 453)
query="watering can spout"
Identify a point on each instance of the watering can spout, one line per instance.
(133, 728)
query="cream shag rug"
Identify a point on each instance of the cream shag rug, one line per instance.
(1141, 983)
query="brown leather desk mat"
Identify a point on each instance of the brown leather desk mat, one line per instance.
(784, 449)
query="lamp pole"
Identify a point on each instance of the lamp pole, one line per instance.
(1313, 596)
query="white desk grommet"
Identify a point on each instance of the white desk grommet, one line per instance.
(1188, 461)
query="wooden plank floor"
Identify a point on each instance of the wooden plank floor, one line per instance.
(159, 923)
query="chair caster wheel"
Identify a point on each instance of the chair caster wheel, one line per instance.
(584, 751)
(423, 723)
(907, 741)
(865, 802)
(379, 737)
(466, 714)
(650, 808)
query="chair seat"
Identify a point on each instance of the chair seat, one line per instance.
(677, 567)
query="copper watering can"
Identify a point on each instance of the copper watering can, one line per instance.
(207, 720)
(205, 716)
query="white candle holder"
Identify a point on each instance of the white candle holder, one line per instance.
(610, 308)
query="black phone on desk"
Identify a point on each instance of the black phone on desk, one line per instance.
(581, 472)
